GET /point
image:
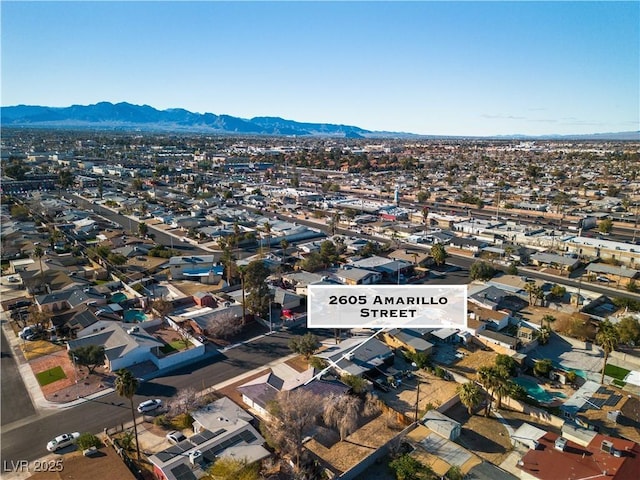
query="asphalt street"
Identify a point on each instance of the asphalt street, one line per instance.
(14, 398)
(26, 439)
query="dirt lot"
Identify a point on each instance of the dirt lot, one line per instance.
(343, 455)
(106, 466)
(486, 437)
(468, 365)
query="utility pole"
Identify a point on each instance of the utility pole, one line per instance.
(417, 398)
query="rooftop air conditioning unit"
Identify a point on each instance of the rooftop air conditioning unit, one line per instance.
(560, 443)
(194, 457)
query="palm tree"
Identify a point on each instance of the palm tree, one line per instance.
(241, 271)
(284, 244)
(530, 288)
(438, 253)
(267, 230)
(608, 339)
(38, 253)
(470, 396)
(126, 385)
(549, 319)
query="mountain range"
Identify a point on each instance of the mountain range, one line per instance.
(126, 116)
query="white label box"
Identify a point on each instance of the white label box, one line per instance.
(386, 306)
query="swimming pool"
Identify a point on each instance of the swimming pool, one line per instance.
(118, 297)
(131, 316)
(536, 391)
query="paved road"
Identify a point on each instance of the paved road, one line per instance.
(15, 400)
(132, 226)
(26, 440)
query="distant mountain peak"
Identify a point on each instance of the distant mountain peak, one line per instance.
(107, 115)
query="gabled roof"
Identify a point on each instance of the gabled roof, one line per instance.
(116, 341)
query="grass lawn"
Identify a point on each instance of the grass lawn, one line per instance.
(173, 346)
(49, 376)
(618, 373)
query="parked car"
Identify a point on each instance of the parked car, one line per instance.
(62, 441)
(602, 279)
(28, 333)
(175, 437)
(13, 279)
(149, 405)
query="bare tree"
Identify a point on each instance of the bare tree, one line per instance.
(224, 325)
(342, 412)
(292, 414)
(184, 402)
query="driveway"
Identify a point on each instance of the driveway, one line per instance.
(563, 353)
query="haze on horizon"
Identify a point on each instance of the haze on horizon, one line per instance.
(433, 68)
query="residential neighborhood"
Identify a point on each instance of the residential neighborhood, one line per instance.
(172, 274)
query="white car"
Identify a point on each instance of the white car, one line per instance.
(149, 405)
(62, 441)
(176, 437)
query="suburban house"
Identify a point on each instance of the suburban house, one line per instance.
(406, 339)
(553, 260)
(558, 457)
(348, 275)
(286, 299)
(368, 357)
(620, 275)
(223, 430)
(202, 268)
(123, 346)
(68, 299)
(257, 393)
(435, 449)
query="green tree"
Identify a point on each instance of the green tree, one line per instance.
(548, 319)
(126, 385)
(605, 226)
(558, 291)
(422, 196)
(421, 359)
(66, 178)
(543, 335)
(90, 356)
(143, 229)
(20, 212)
(608, 339)
(543, 367)
(358, 384)
(284, 244)
(571, 377)
(481, 271)
(507, 363)
(88, 440)
(470, 396)
(454, 473)
(258, 294)
(39, 253)
(405, 467)
(439, 254)
(629, 331)
(305, 345)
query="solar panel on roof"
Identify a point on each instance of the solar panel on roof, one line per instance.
(613, 400)
(164, 456)
(183, 472)
(247, 436)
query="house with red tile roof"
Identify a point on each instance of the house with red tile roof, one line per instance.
(604, 457)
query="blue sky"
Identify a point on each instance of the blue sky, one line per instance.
(444, 68)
